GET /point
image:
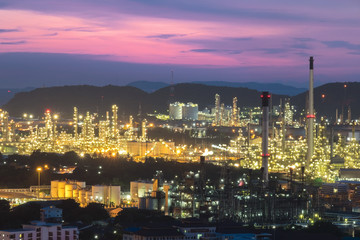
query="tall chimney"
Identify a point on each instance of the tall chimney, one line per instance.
(310, 117)
(265, 97)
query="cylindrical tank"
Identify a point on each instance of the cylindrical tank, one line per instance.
(98, 193)
(151, 203)
(82, 196)
(54, 189)
(69, 187)
(142, 203)
(88, 196)
(61, 189)
(81, 184)
(75, 193)
(114, 195)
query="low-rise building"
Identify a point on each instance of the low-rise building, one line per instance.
(38, 230)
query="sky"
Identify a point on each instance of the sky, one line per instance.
(101, 42)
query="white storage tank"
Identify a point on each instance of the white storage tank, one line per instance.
(98, 193)
(69, 187)
(61, 189)
(81, 184)
(54, 189)
(114, 195)
(88, 196)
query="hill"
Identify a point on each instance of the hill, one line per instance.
(276, 88)
(87, 98)
(147, 86)
(7, 93)
(99, 99)
(332, 96)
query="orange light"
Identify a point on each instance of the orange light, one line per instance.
(323, 95)
(39, 169)
(345, 86)
(48, 110)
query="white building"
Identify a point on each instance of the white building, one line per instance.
(38, 230)
(140, 189)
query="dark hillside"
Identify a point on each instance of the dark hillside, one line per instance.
(336, 96)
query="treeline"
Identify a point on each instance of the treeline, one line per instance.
(72, 212)
(20, 171)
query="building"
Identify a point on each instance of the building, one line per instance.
(194, 229)
(153, 233)
(43, 230)
(108, 195)
(51, 214)
(150, 148)
(140, 189)
(180, 111)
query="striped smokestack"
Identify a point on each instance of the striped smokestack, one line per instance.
(265, 97)
(310, 117)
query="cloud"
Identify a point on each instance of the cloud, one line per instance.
(166, 36)
(13, 43)
(51, 34)
(241, 38)
(342, 44)
(272, 50)
(203, 50)
(74, 29)
(304, 39)
(8, 30)
(354, 53)
(207, 50)
(300, 46)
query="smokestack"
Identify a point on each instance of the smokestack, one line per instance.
(265, 97)
(310, 117)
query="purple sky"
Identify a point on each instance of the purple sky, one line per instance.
(100, 42)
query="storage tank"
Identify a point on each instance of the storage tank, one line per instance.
(75, 193)
(82, 196)
(142, 203)
(98, 193)
(69, 187)
(151, 203)
(81, 184)
(114, 195)
(54, 189)
(88, 196)
(61, 189)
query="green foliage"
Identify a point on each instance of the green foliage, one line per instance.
(113, 170)
(94, 212)
(134, 216)
(325, 227)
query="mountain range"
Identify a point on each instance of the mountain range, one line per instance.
(327, 98)
(276, 88)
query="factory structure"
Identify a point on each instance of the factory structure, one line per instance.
(183, 111)
(108, 195)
